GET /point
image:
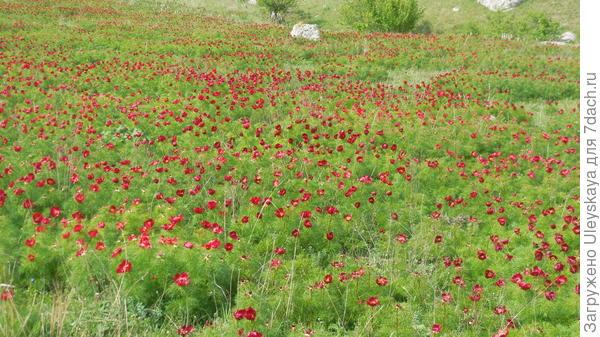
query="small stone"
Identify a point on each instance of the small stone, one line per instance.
(568, 37)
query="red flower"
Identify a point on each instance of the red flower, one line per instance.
(332, 210)
(27, 204)
(381, 281)
(481, 254)
(254, 334)
(213, 244)
(560, 280)
(248, 313)
(500, 310)
(373, 301)
(116, 252)
(182, 279)
(185, 330)
(446, 298)
(54, 212)
(7, 295)
(239, 314)
(280, 212)
(30, 242)
(124, 267)
(524, 285)
(79, 197)
(436, 328)
(402, 238)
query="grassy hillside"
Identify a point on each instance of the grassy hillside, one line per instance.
(438, 18)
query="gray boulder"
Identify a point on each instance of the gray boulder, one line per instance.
(568, 37)
(306, 31)
(500, 5)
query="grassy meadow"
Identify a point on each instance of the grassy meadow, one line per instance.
(186, 168)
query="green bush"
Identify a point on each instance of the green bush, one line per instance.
(382, 15)
(543, 27)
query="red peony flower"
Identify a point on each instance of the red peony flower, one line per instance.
(373, 301)
(182, 279)
(280, 212)
(185, 330)
(250, 314)
(381, 281)
(79, 197)
(30, 242)
(54, 212)
(27, 204)
(247, 313)
(124, 267)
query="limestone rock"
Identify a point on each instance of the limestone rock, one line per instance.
(306, 31)
(500, 5)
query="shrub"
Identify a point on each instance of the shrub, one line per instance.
(277, 7)
(543, 27)
(534, 25)
(382, 15)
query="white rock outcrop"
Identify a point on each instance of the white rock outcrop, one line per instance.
(500, 5)
(306, 31)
